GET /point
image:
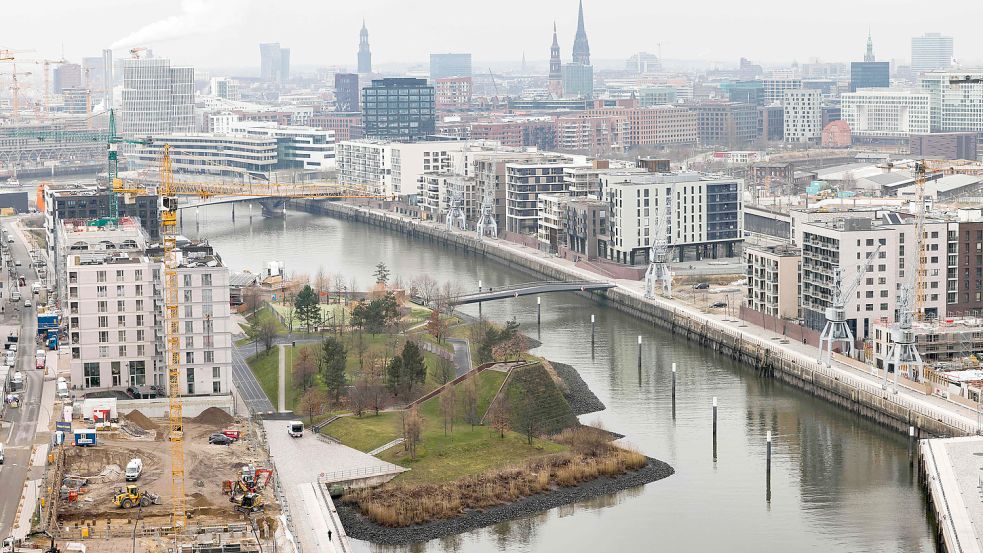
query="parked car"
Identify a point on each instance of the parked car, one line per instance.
(27, 303)
(702, 286)
(718, 304)
(220, 439)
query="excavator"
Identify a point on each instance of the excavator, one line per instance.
(130, 497)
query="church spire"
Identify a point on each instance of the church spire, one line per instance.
(556, 72)
(869, 55)
(581, 49)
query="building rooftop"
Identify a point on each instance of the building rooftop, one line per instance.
(780, 250)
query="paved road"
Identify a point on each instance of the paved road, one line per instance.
(250, 391)
(19, 425)
(462, 355)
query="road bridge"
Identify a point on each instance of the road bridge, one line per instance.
(530, 289)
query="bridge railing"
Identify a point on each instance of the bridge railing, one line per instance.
(525, 285)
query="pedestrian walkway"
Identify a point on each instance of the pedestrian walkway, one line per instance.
(952, 471)
(250, 391)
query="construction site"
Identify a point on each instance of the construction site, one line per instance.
(116, 493)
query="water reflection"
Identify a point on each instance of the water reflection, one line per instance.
(839, 483)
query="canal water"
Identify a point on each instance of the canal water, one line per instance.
(839, 483)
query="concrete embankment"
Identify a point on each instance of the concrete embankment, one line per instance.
(769, 358)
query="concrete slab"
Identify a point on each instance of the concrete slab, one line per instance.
(954, 469)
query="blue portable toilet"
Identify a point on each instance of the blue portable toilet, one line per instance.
(85, 437)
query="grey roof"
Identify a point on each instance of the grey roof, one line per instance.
(955, 182)
(241, 279)
(891, 179)
(841, 168)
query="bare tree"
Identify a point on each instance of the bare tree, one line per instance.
(426, 288)
(339, 287)
(290, 310)
(352, 289)
(312, 403)
(412, 430)
(322, 282)
(374, 377)
(498, 415)
(470, 401)
(359, 394)
(444, 370)
(252, 297)
(448, 398)
(445, 298)
(305, 366)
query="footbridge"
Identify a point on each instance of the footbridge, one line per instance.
(530, 289)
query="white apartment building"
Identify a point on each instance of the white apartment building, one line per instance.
(885, 114)
(775, 87)
(803, 115)
(525, 182)
(707, 214)
(157, 98)
(955, 100)
(773, 280)
(114, 302)
(846, 243)
(930, 52)
(298, 146)
(392, 168)
(551, 229)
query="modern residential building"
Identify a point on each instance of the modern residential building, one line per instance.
(587, 227)
(706, 214)
(592, 134)
(344, 126)
(399, 109)
(551, 227)
(225, 88)
(517, 132)
(578, 80)
(771, 122)
(212, 154)
(885, 114)
(157, 98)
(453, 92)
(955, 100)
(948, 145)
(845, 242)
(772, 280)
(449, 65)
(726, 124)
(274, 63)
(930, 52)
(525, 181)
(364, 52)
(775, 87)
(392, 168)
(802, 115)
(346, 92)
(66, 75)
(965, 273)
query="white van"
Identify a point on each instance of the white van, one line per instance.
(62, 388)
(133, 469)
(295, 429)
(18, 380)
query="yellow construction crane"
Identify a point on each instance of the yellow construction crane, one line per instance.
(46, 64)
(172, 333)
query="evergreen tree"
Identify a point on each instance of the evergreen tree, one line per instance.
(332, 365)
(381, 274)
(394, 374)
(307, 308)
(414, 370)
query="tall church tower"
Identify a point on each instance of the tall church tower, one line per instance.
(364, 54)
(869, 55)
(581, 50)
(556, 73)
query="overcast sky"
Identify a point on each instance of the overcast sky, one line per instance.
(224, 33)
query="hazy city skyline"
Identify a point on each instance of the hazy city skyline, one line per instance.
(208, 33)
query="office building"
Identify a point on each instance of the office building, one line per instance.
(802, 115)
(772, 274)
(655, 126)
(578, 80)
(274, 63)
(729, 125)
(453, 92)
(774, 88)
(948, 145)
(745, 92)
(643, 63)
(227, 89)
(344, 126)
(392, 168)
(449, 65)
(94, 77)
(884, 114)
(364, 53)
(157, 98)
(846, 243)
(66, 75)
(706, 214)
(212, 154)
(399, 109)
(108, 77)
(649, 96)
(869, 74)
(930, 52)
(771, 122)
(297, 147)
(76, 100)
(956, 97)
(346, 92)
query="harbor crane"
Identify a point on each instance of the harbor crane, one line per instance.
(486, 225)
(836, 330)
(659, 274)
(455, 211)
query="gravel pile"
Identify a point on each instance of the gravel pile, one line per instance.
(360, 528)
(581, 399)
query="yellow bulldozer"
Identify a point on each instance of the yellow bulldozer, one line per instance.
(130, 496)
(248, 503)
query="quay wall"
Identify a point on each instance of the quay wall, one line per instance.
(766, 357)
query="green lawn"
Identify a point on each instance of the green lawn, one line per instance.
(265, 366)
(366, 433)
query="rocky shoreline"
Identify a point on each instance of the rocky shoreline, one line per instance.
(360, 528)
(578, 394)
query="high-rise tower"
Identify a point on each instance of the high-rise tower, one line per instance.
(556, 73)
(364, 54)
(869, 54)
(581, 50)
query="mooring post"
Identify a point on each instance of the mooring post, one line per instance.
(539, 310)
(233, 211)
(674, 383)
(911, 444)
(479, 303)
(714, 428)
(639, 354)
(768, 466)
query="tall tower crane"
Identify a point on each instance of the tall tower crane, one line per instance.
(46, 65)
(659, 274)
(836, 330)
(113, 141)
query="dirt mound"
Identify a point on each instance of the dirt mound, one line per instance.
(141, 420)
(213, 416)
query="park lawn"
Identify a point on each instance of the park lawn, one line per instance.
(332, 313)
(489, 382)
(365, 433)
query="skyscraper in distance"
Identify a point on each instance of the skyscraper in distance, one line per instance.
(930, 52)
(364, 54)
(274, 62)
(556, 71)
(869, 73)
(346, 92)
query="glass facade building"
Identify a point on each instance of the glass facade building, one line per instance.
(869, 74)
(399, 109)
